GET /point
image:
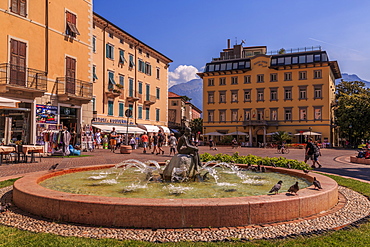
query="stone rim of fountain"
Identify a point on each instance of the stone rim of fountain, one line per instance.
(29, 196)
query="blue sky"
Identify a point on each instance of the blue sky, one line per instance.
(192, 32)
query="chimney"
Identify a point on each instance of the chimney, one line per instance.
(228, 43)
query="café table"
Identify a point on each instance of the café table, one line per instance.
(4, 150)
(32, 149)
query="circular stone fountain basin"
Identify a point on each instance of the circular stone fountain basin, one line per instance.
(171, 213)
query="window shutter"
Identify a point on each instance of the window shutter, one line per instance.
(106, 50)
(15, 6)
(22, 8)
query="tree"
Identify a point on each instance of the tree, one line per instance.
(281, 136)
(186, 98)
(282, 51)
(352, 111)
(196, 125)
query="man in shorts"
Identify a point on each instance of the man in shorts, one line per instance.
(145, 140)
(310, 150)
(112, 139)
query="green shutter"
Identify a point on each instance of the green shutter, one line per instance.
(140, 112)
(106, 50)
(121, 109)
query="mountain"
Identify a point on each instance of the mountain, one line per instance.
(193, 89)
(353, 77)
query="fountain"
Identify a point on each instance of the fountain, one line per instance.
(176, 179)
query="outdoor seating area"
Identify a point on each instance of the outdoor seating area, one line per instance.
(14, 153)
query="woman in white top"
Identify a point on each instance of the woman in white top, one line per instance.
(172, 141)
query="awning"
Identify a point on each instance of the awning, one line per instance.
(5, 102)
(175, 131)
(308, 133)
(119, 129)
(148, 128)
(165, 129)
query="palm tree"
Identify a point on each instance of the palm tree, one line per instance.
(281, 136)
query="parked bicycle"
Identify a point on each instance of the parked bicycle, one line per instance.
(283, 149)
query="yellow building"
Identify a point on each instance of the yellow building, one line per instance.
(128, 75)
(45, 64)
(249, 91)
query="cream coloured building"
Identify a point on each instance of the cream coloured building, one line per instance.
(247, 90)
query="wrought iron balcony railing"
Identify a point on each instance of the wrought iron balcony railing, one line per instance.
(74, 87)
(22, 77)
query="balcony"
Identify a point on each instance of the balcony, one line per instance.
(113, 92)
(73, 90)
(133, 96)
(150, 100)
(28, 82)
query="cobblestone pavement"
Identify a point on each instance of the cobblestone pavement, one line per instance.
(335, 161)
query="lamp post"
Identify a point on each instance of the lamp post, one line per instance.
(350, 135)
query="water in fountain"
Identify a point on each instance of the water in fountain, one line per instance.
(142, 179)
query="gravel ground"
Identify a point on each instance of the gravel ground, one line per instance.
(355, 207)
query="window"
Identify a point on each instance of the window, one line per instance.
(158, 92)
(318, 92)
(234, 115)
(317, 74)
(260, 94)
(273, 77)
(288, 76)
(109, 51)
(247, 79)
(211, 115)
(317, 113)
(122, 80)
(302, 93)
(94, 44)
(140, 51)
(141, 65)
(19, 7)
(147, 113)
(110, 35)
(158, 73)
(95, 77)
(288, 114)
(131, 107)
(247, 95)
(131, 46)
(174, 103)
(70, 72)
(71, 26)
(274, 114)
(121, 41)
(234, 96)
(130, 87)
(222, 115)
(247, 114)
(140, 112)
(260, 78)
(121, 109)
(273, 94)
(147, 55)
(222, 96)
(147, 91)
(93, 103)
(260, 115)
(211, 82)
(157, 114)
(211, 97)
(111, 81)
(303, 113)
(140, 89)
(110, 107)
(122, 59)
(131, 61)
(222, 81)
(302, 75)
(148, 69)
(234, 80)
(288, 93)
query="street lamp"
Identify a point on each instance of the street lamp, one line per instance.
(350, 135)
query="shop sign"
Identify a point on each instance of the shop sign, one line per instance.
(110, 120)
(46, 114)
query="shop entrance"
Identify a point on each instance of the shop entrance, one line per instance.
(69, 118)
(19, 119)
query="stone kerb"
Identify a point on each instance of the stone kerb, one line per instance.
(171, 213)
(356, 160)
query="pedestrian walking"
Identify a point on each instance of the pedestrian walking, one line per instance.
(132, 142)
(119, 141)
(112, 139)
(160, 142)
(155, 143)
(172, 141)
(211, 144)
(97, 139)
(309, 152)
(317, 153)
(145, 140)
